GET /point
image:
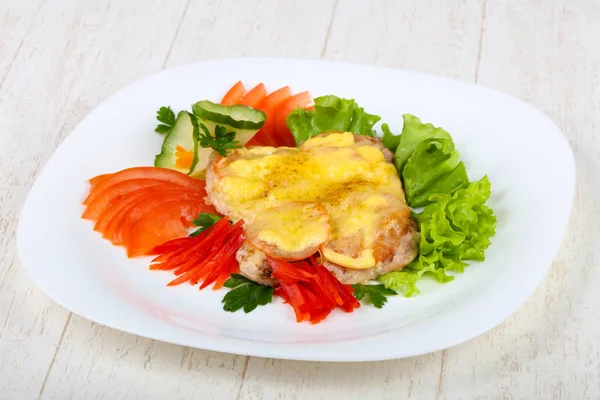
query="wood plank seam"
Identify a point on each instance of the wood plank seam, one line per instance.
(328, 32)
(20, 46)
(243, 376)
(481, 32)
(185, 10)
(440, 383)
(60, 340)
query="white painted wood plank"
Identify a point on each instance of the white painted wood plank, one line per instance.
(76, 53)
(16, 20)
(435, 36)
(396, 34)
(276, 379)
(546, 53)
(100, 363)
(235, 28)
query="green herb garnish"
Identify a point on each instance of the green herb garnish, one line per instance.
(377, 294)
(167, 117)
(205, 221)
(221, 142)
(246, 294)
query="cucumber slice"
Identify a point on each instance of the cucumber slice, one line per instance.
(181, 135)
(236, 117)
(201, 154)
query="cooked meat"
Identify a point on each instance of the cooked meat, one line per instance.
(349, 176)
(403, 254)
(254, 265)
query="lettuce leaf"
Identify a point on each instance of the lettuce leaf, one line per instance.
(388, 139)
(413, 133)
(434, 167)
(404, 282)
(331, 114)
(454, 228)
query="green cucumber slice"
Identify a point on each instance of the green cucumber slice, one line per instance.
(181, 135)
(236, 117)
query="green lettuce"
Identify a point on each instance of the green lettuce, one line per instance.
(404, 282)
(434, 167)
(426, 160)
(454, 228)
(388, 139)
(413, 133)
(331, 114)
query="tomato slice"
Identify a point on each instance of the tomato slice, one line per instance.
(254, 96)
(95, 181)
(161, 174)
(284, 136)
(266, 135)
(162, 223)
(234, 95)
(117, 205)
(125, 221)
(103, 200)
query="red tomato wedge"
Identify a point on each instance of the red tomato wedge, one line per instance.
(300, 100)
(234, 95)
(254, 96)
(162, 174)
(266, 135)
(165, 222)
(116, 207)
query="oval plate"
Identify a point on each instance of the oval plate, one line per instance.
(525, 155)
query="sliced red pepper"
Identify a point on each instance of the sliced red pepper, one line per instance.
(222, 257)
(212, 235)
(283, 270)
(311, 289)
(219, 252)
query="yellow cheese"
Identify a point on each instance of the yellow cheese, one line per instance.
(350, 180)
(293, 226)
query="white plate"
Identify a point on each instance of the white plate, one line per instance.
(528, 160)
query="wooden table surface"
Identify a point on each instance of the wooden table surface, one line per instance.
(60, 59)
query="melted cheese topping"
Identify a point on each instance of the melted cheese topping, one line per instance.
(351, 180)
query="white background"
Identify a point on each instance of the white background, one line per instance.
(59, 59)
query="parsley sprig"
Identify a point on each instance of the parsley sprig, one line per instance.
(221, 142)
(167, 118)
(246, 294)
(376, 294)
(205, 221)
